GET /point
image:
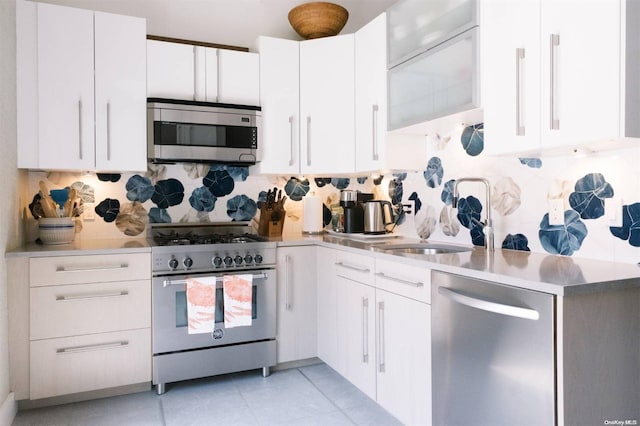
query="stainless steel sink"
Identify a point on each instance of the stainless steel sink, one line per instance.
(421, 248)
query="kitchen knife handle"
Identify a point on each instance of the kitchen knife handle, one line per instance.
(554, 121)
(374, 134)
(519, 57)
(291, 140)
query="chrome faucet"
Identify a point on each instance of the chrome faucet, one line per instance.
(488, 225)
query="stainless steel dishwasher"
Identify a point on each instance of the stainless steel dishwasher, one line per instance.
(493, 353)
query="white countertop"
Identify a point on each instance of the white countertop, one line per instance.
(559, 275)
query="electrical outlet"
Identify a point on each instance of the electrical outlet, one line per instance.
(89, 213)
(613, 211)
(556, 211)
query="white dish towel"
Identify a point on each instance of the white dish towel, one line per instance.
(238, 297)
(201, 304)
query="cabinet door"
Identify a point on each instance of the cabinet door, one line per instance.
(404, 357)
(65, 88)
(371, 94)
(279, 98)
(238, 77)
(580, 71)
(297, 321)
(327, 307)
(359, 331)
(327, 130)
(120, 92)
(171, 70)
(510, 51)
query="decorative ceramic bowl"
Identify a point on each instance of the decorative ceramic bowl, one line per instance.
(56, 230)
(318, 19)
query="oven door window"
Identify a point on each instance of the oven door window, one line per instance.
(206, 135)
(181, 306)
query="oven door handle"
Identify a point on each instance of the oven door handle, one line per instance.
(169, 282)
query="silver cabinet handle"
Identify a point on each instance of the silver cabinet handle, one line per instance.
(375, 132)
(99, 347)
(353, 268)
(108, 131)
(218, 86)
(519, 126)
(554, 121)
(381, 345)
(80, 129)
(166, 283)
(195, 73)
(400, 280)
(308, 140)
(287, 288)
(365, 330)
(91, 296)
(90, 269)
(485, 305)
(291, 138)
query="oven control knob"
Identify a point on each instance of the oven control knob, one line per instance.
(187, 262)
(228, 260)
(173, 263)
(257, 258)
(248, 259)
(217, 261)
(238, 260)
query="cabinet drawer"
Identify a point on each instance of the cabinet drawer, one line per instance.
(89, 269)
(405, 280)
(90, 362)
(69, 310)
(355, 267)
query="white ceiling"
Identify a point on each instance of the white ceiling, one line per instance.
(231, 22)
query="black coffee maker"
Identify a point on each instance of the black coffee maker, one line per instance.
(353, 207)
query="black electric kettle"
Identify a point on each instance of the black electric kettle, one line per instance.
(377, 215)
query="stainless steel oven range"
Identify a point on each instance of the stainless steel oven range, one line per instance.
(180, 251)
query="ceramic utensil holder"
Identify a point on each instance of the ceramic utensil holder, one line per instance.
(56, 230)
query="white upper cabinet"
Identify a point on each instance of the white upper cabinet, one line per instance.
(280, 101)
(61, 59)
(327, 130)
(199, 73)
(551, 83)
(120, 103)
(371, 94)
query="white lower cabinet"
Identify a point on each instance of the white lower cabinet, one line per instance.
(297, 322)
(374, 328)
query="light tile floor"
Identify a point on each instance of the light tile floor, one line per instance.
(312, 395)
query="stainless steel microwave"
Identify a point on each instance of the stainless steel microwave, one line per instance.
(192, 131)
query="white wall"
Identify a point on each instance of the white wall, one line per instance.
(12, 180)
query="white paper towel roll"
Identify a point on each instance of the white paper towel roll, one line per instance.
(311, 214)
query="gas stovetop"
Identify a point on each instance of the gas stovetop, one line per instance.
(208, 247)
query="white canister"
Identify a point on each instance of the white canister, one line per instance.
(312, 215)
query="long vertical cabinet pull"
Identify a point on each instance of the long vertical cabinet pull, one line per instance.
(291, 138)
(381, 345)
(195, 73)
(374, 133)
(308, 140)
(108, 131)
(365, 330)
(287, 278)
(80, 128)
(554, 121)
(520, 130)
(218, 86)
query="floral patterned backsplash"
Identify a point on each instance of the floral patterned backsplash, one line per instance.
(125, 204)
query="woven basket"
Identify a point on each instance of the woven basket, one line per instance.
(318, 19)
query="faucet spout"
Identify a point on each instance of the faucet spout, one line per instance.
(488, 226)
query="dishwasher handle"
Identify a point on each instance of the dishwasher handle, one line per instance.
(485, 305)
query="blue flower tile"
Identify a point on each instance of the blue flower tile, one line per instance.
(157, 215)
(241, 208)
(202, 199)
(534, 163)
(139, 188)
(630, 229)
(418, 204)
(472, 139)
(296, 189)
(169, 192)
(516, 242)
(562, 239)
(219, 182)
(108, 209)
(589, 195)
(434, 172)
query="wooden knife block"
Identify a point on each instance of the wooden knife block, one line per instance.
(269, 228)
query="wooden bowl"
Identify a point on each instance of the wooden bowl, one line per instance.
(318, 19)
